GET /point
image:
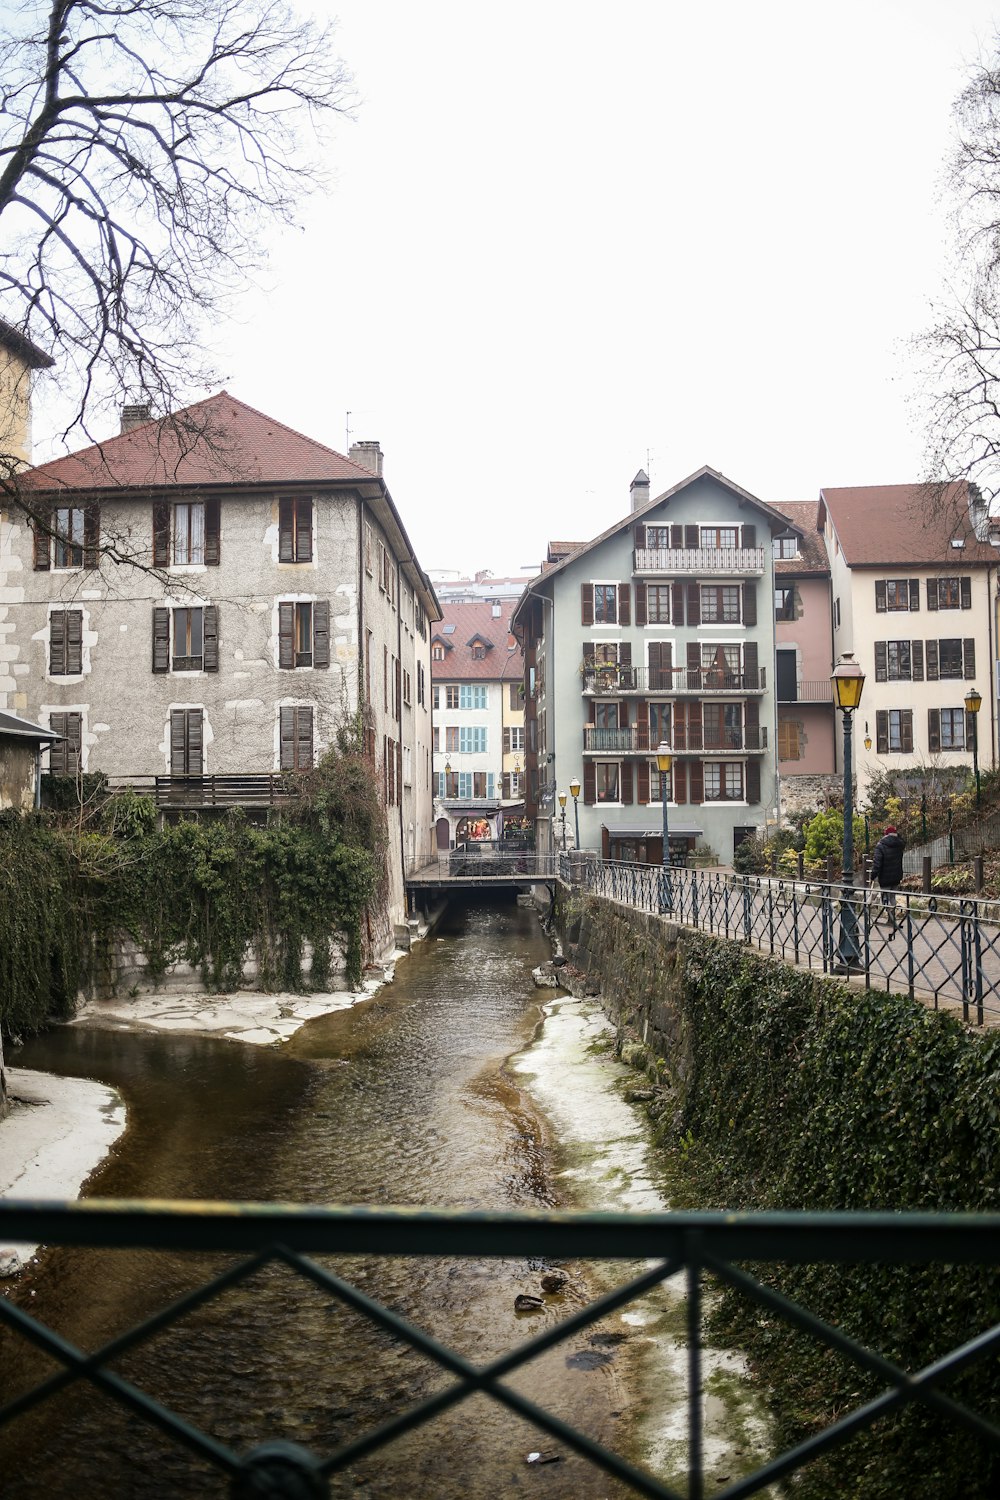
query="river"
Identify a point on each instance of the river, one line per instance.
(443, 1090)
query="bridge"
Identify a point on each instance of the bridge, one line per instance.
(475, 866)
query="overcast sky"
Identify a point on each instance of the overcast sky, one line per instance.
(569, 240)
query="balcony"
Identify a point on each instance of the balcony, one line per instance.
(805, 692)
(636, 740)
(619, 681)
(264, 790)
(698, 562)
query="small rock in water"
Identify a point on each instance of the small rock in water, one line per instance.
(554, 1281)
(544, 977)
(524, 1303)
(10, 1263)
(544, 1457)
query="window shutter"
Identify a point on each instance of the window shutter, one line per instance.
(605, 841)
(161, 534)
(882, 730)
(211, 630)
(64, 759)
(641, 725)
(213, 539)
(696, 782)
(691, 537)
(286, 636)
(751, 674)
(752, 712)
(694, 604)
(677, 610)
(161, 639)
(881, 661)
(92, 536)
(749, 536)
(195, 741)
(655, 684)
(667, 663)
(693, 664)
(178, 741)
(933, 730)
(397, 696)
(626, 780)
(749, 604)
(753, 782)
(932, 661)
(74, 641)
(399, 761)
(625, 654)
(966, 588)
(917, 660)
(914, 595)
(40, 526)
(642, 782)
(640, 604)
(286, 531)
(880, 605)
(640, 538)
(303, 530)
(588, 653)
(679, 779)
(321, 633)
(969, 658)
(677, 537)
(286, 734)
(57, 643)
(586, 604)
(506, 742)
(624, 604)
(932, 593)
(694, 727)
(906, 730)
(589, 783)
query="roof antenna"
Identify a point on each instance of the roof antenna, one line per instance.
(347, 433)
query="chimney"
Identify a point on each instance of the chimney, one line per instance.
(367, 456)
(135, 414)
(639, 491)
(979, 513)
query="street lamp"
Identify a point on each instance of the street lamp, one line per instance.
(847, 681)
(562, 815)
(868, 738)
(973, 703)
(663, 759)
(574, 791)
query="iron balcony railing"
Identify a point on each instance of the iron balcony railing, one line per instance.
(738, 1249)
(610, 679)
(704, 562)
(934, 947)
(636, 740)
(252, 790)
(805, 692)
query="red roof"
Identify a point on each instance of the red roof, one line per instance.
(812, 556)
(476, 622)
(888, 524)
(217, 441)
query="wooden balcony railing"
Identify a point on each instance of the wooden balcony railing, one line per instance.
(636, 740)
(613, 681)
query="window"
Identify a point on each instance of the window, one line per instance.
(897, 593)
(655, 780)
(437, 651)
(186, 639)
(186, 533)
(789, 739)
(516, 695)
(406, 687)
(303, 634)
(658, 537)
(784, 603)
(722, 726)
(898, 666)
(407, 765)
(436, 739)
(478, 651)
(606, 782)
(836, 612)
(785, 547)
(295, 522)
(723, 781)
(421, 683)
(67, 537)
(719, 536)
(188, 538)
(949, 593)
(296, 738)
(658, 603)
(68, 525)
(65, 754)
(451, 737)
(189, 640)
(950, 658)
(368, 549)
(720, 603)
(436, 697)
(659, 724)
(187, 739)
(517, 737)
(451, 696)
(952, 725)
(721, 665)
(894, 731)
(605, 603)
(65, 642)
(472, 741)
(473, 695)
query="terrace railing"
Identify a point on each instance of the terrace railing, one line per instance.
(614, 680)
(704, 562)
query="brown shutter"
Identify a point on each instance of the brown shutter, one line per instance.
(589, 783)
(667, 664)
(882, 730)
(625, 654)
(57, 643)
(753, 781)
(586, 604)
(161, 639)
(677, 610)
(678, 780)
(41, 527)
(640, 604)
(880, 604)
(286, 734)
(966, 590)
(693, 664)
(642, 782)
(933, 730)
(626, 779)
(906, 730)
(917, 660)
(178, 741)
(211, 637)
(752, 713)
(321, 633)
(74, 641)
(624, 604)
(195, 741)
(286, 533)
(914, 595)
(605, 841)
(161, 534)
(92, 536)
(969, 658)
(694, 603)
(213, 539)
(932, 593)
(751, 672)
(642, 726)
(881, 662)
(749, 604)
(286, 636)
(588, 653)
(933, 671)
(678, 727)
(696, 776)
(640, 538)
(694, 726)
(691, 537)
(749, 536)
(303, 529)
(655, 683)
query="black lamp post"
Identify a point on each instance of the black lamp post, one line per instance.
(847, 682)
(973, 703)
(574, 791)
(562, 817)
(663, 759)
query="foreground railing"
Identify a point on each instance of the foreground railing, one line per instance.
(944, 948)
(687, 1246)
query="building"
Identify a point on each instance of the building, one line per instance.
(19, 360)
(452, 588)
(803, 628)
(207, 598)
(661, 629)
(478, 700)
(914, 578)
(21, 746)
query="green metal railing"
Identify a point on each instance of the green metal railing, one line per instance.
(681, 1244)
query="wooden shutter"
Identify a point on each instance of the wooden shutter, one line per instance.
(64, 758)
(589, 783)
(932, 593)
(195, 741)
(92, 536)
(914, 595)
(965, 585)
(917, 660)
(161, 638)
(213, 537)
(588, 653)
(397, 686)
(969, 658)
(161, 534)
(933, 730)
(753, 781)
(624, 604)
(667, 664)
(586, 604)
(749, 604)
(626, 781)
(677, 537)
(882, 730)
(178, 742)
(906, 730)
(752, 713)
(655, 684)
(693, 664)
(880, 604)
(640, 604)
(642, 782)
(640, 538)
(641, 726)
(506, 741)
(321, 633)
(57, 643)
(749, 536)
(881, 661)
(303, 531)
(286, 636)
(625, 654)
(751, 671)
(691, 537)
(695, 741)
(286, 532)
(933, 671)
(605, 841)
(286, 735)
(211, 637)
(74, 641)
(696, 782)
(41, 526)
(679, 778)
(694, 603)
(677, 610)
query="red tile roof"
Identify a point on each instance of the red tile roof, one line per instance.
(502, 662)
(812, 556)
(217, 441)
(887, 524)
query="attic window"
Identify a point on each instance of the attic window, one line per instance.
(785, 546)
(447, 630)
(958, 542)
(437, 651)
(478, 651)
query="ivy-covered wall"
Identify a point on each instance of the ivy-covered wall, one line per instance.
(776, 1089)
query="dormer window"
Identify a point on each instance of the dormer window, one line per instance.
(785, 547)
(478, 651)
(437, 651)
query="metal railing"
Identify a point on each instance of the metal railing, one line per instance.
(672, 561)
(616, 680)
(936, 947)
(688, 1246)
(636, 739)
(807, 692)
(491, 861)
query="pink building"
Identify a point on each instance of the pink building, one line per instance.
(803, 647)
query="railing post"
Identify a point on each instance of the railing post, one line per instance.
(925, 883)
(977, 867)
(963, 928)
(747, 923)
(910, 961)
(795, 919)
(800, 864)
(770, 915)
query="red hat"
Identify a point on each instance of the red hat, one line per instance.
(889, 828)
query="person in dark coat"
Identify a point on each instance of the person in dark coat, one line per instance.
(887, 868)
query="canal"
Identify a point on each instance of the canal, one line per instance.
(442, 1089)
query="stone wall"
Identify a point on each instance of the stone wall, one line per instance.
(810, 794)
